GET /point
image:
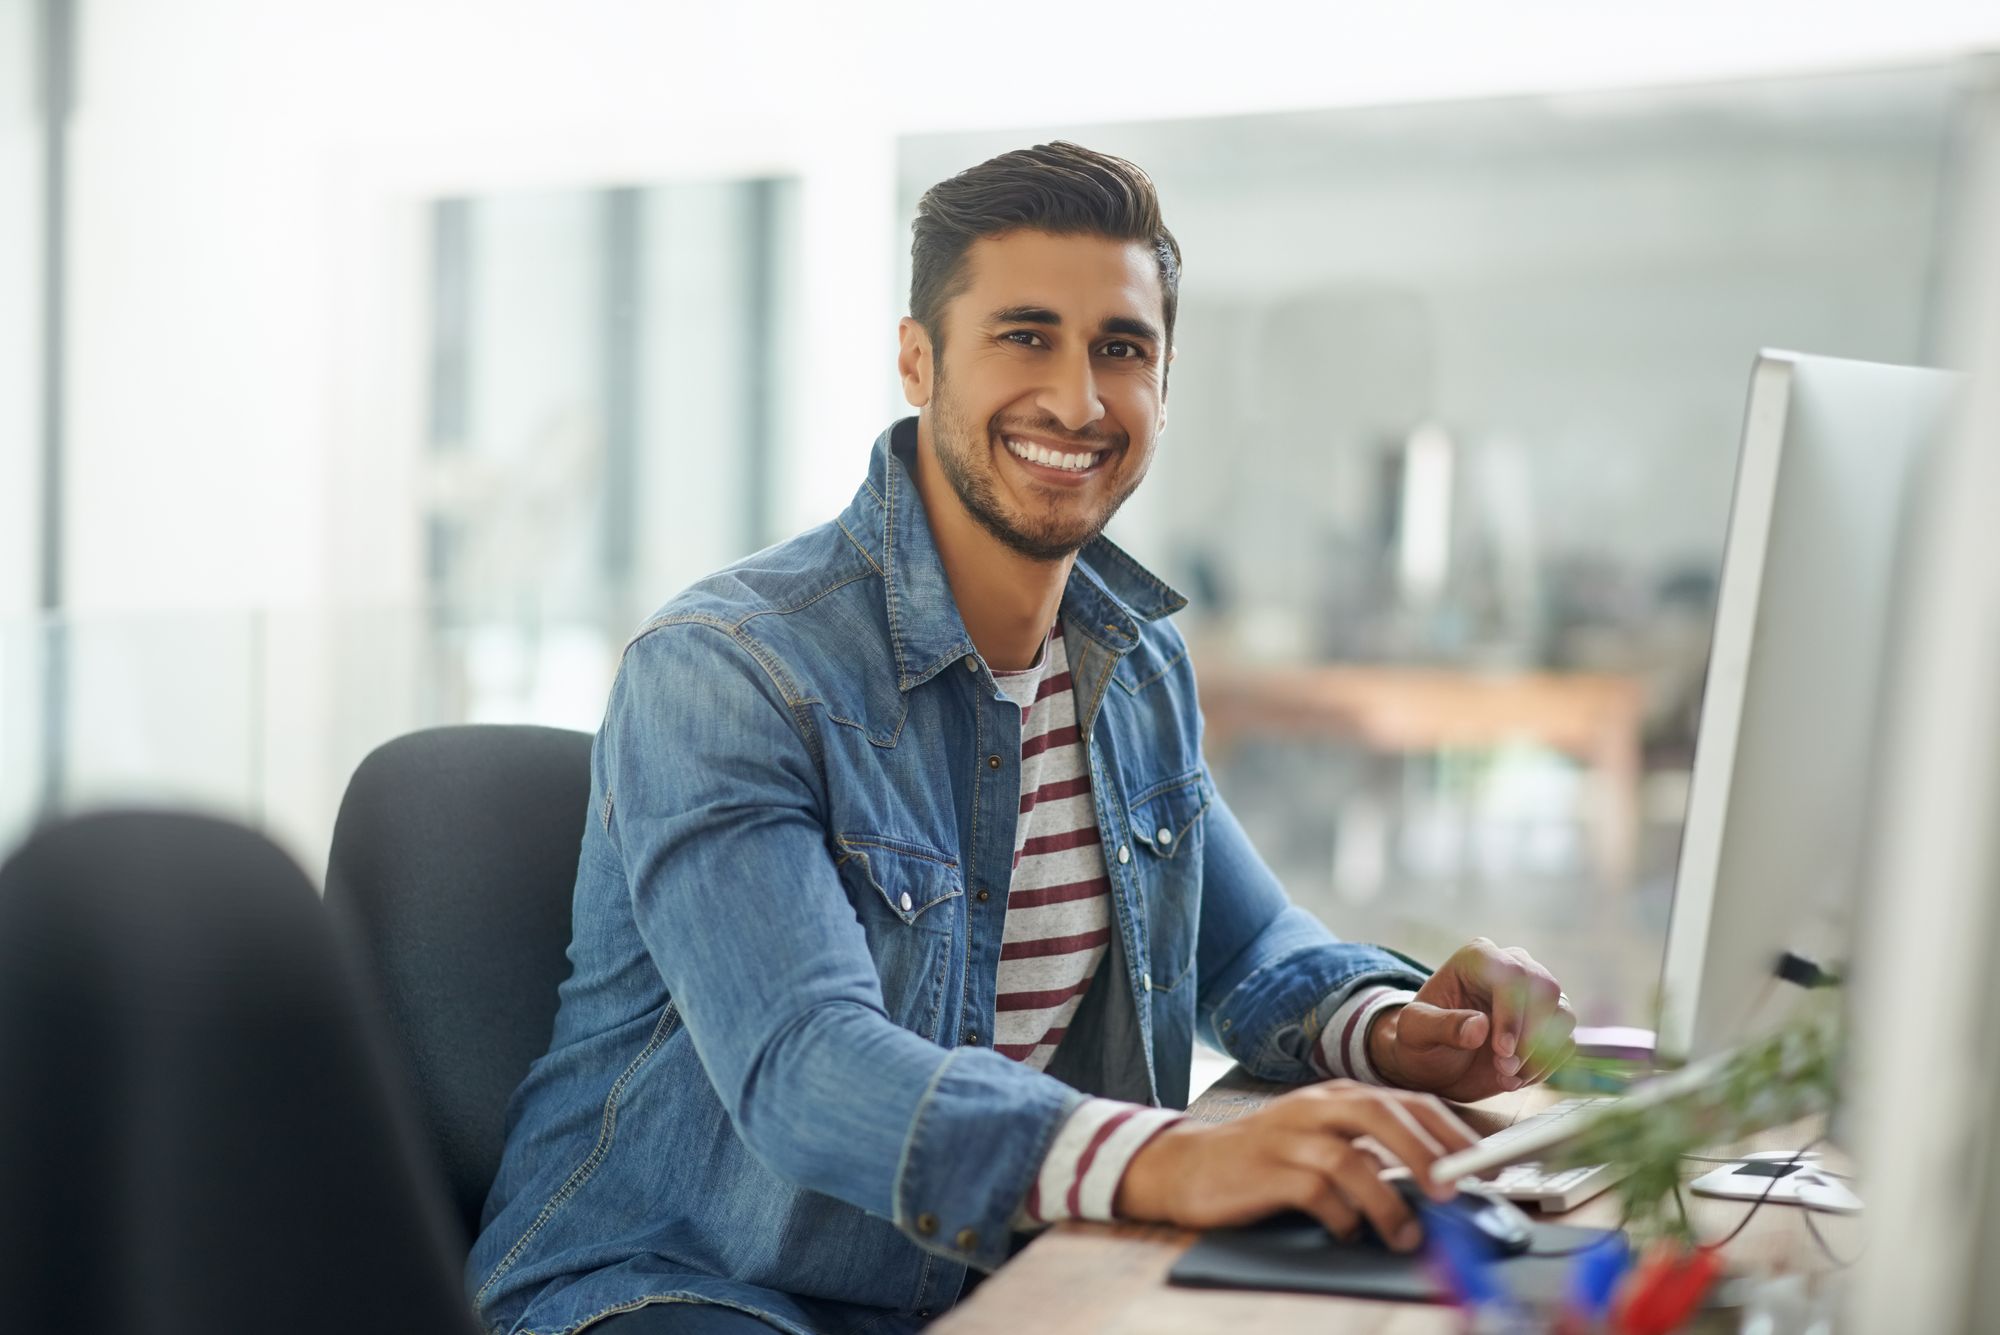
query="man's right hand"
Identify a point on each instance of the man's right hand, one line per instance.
(1297, 1152)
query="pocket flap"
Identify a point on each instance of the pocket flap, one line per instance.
(1164, 815)
(909, 879)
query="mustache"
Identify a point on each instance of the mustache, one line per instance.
(1089, 438)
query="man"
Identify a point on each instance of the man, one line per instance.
(905, 890)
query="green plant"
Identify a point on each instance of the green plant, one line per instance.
(1791, 1074)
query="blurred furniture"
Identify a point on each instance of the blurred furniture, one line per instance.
(454, 858)
(202, 1125)
(1595, 718)
(1092, 1277)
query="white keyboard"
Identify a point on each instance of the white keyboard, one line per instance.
(1553, 1190)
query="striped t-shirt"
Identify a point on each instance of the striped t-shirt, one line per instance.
(1058, 925)
(1056, 934)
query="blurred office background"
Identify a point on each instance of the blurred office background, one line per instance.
(366, 367)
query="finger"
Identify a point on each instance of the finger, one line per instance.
(1549, 1034)
(1319, 1197)
(1422, 1026)
(1510, 1005)
(1385, 1116)
(1545, 995)
(1380, 1204)
(1445, 1126)
(1541, 1068)
(1350, 1184)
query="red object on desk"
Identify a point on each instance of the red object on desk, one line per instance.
(1666, 1289)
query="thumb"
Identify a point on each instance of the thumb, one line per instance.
(1423, 1026)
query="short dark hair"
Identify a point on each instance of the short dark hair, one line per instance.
(1062, 188)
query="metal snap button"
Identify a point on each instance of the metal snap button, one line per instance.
(907, 901)
(1164, 835)
(983, 896)
(971, 1039)
(993, 762)
(967, 1240)
(1124, 853)
(971, 663)
(927, 1224)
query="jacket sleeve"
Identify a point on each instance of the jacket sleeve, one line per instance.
(1270, 973)
(716, 805)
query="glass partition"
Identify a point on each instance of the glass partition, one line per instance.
(605, 376)
(1453, 425)
(608, 381)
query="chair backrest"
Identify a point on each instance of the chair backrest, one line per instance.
(454, 860)
(202, 1121)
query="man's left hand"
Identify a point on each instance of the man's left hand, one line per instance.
(1488, 1021)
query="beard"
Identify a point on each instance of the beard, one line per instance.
(1048, 531)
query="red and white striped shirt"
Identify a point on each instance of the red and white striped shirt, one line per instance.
(1058, 925)
(1056, 934)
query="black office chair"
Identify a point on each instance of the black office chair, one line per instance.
(203, 1127)
(454, 858)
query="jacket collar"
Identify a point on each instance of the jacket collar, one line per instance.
(1109, 593)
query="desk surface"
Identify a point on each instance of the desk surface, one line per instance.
(1113, 1277)
(1396, 708)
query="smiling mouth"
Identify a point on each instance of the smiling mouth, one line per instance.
(1067, 461)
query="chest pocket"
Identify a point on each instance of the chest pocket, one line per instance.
(1165, 824)
(902, 896)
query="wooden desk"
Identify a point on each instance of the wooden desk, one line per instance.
(1595, 718)
(1113, 1277)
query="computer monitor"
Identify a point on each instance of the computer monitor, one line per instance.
(1922, 1093)
(1836, 456)
(1772, 846)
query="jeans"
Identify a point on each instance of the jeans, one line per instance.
(682, 1319)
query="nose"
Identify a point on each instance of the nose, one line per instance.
(1070, 396)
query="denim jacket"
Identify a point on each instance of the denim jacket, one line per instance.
(770, 1084)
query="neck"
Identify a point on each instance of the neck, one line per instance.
(1008, 601)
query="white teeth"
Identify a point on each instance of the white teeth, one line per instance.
(1047, 457)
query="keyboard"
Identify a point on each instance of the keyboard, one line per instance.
(1552, 1190)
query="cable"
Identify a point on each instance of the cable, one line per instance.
(1758, 1204)
(1723, 1159)
(1617, 1234)
(1680, 1203)
(1840, 1262)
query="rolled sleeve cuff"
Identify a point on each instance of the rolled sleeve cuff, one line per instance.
(961, 1204)
(1271, 1020)
(1342, 1046)
(1080, 1175)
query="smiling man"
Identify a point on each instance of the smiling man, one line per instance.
(905, 890)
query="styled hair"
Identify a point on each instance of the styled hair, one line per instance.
(1061, 188)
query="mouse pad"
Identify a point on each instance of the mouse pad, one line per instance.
(1294, 1252)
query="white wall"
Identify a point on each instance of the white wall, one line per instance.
(242, 166)
(246, 385)
(20, 316)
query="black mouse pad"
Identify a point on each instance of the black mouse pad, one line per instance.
(1294, 1252)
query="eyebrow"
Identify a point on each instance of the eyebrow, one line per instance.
(1042, 315)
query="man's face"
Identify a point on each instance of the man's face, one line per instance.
(1049, 394)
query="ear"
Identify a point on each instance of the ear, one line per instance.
(913, 361)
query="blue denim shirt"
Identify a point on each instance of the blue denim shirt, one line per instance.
(770, 1084)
